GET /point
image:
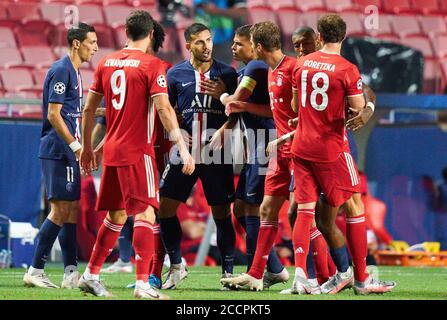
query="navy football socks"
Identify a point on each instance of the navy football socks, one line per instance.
(171, 234)
(67, 240)
(226, 239)
(47, 235)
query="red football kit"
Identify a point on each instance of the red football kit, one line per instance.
(322, 163)
(278, 177)
(129, 79)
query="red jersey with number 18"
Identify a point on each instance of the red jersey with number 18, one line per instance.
(323, 81)
(129, 79)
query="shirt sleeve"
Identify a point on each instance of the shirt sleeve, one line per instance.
(157, 80)
(353, 82)
(58, 86)
(253, 74)
(97, 83)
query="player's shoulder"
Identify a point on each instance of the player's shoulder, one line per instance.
(257, 64)
(61, 65)
(180, 67)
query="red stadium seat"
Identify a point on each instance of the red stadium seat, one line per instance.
(289, 20)
(105, 37)
(39, 76)
(91, 14)
(120, 36)
(341, 5)
(276, 4)
(57, 35)
(33, 33)
(384, 27)
(17, 79)
(257, 3)
(311, 18)
(258, 14)
(443, 6)
(171, 41)
(432, 25)
(53, 12)
(389, 37)
(398, 6)
(440, 45)
(24, 12)
(3, 12)
(310, 5)
(10, 57)
(420, 43)
(362, 4)
(354, 23)
(38, 56)
(432, 76)
(150, 3)
(426, 6)
(7, 39)
(115, 15)
(405, 25)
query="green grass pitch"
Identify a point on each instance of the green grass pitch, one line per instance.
(203, 284)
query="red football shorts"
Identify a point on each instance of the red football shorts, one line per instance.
(132, 188)
(338, 180)
(277, 180)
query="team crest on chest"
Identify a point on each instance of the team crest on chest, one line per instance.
(279, 81)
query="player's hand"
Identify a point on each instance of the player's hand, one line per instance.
(217, 140)
(213, 88)
(356, 120)
(273, 146)
(87, 160)
(293, 122)
(234, 107)
(188, 162)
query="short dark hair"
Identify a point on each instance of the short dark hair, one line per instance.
(267, 34)
(139, 24)
(79, 32)
(194, 29)
(244, 31)
(304, 31)
(159, 37)
(332, 28)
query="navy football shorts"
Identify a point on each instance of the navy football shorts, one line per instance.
(62, 179)
(217, 181)
(250, 187)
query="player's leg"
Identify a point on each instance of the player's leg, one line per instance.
(356, 237)
(156, 265)
(218, 186)
(175, 187)
(123, 264)
(319, 252)
(68, 242)
(62, 182)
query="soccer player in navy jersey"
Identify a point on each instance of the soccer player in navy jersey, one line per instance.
(59, 153)
(201, 116)
(256, 127)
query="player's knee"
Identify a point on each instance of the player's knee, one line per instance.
(221, 212)
(148, 215)
(324, 225)
(60, 212)
(267, 213)
(354, 206)
(117, 217)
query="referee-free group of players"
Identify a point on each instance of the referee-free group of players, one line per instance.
(291, 115)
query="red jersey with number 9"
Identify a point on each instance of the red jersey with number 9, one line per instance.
(323, 82)
(129, 79)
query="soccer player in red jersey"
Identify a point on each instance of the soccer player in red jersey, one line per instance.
(266, 41)
(322, 82)
(132, 82)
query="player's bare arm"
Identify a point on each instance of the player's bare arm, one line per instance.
(356, 120)
(294, 102)
(253, 108)
(169, 120)
(98, 139)
(87, 158)
(218, 139)
(55, 118)
(275, 144)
